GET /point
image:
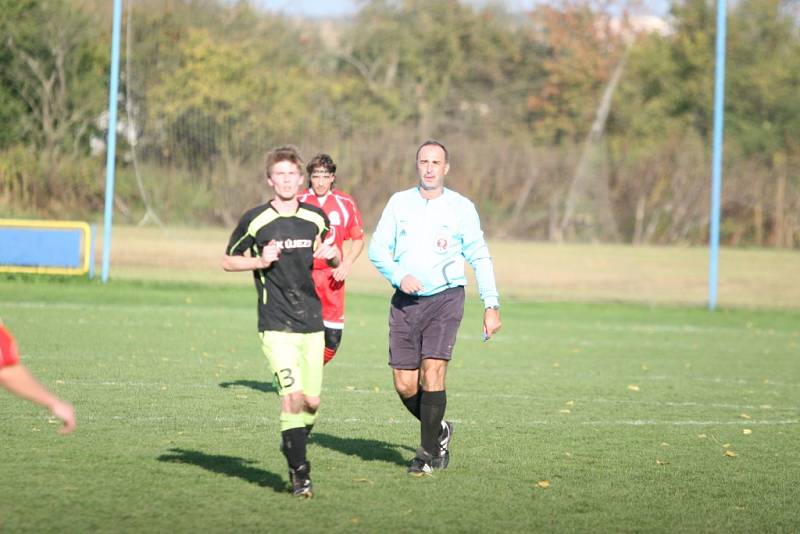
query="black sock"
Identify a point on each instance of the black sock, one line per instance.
(432, 406)
(294, 446)
(412, 403)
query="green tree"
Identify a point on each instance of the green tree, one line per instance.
(764, 110)
(54, 66)
(426, 61)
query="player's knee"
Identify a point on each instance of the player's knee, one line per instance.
(432, 374)
(406, 389)
(312, 404)
(293, 402)
(333, 337)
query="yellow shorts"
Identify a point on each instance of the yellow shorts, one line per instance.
(295, 361)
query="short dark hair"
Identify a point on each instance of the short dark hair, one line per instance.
(283, 153)
(433, 142)
(321, 160)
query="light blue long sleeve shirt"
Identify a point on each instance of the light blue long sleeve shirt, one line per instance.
(430, 239)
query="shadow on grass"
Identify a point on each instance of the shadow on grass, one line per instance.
(264, 387)
(227, 465)
(366, 449)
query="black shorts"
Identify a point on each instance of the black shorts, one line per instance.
(423, 327)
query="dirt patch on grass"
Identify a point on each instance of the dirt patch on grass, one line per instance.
(525, 270)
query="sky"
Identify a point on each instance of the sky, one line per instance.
(344, 8)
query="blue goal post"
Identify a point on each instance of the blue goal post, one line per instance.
(46, 247)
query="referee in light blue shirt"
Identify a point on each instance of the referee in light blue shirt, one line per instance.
(422, 239)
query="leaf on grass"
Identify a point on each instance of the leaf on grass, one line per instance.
(241, 396)
(349, 388)
(59, 381)
(726, 445)
(363, 481)
(564, 411)
(556, 365)
(729, 453)
(765, 381)
(376, 389)
(702, 436)
(664, 444)
(355, 520)
(544, 484)
(661, 462)
(633, 387)
(570, 403)
(569, 454)
(747, 431)
(766, 406)
(744, 416)
(644, 367)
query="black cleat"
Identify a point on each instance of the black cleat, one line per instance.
(441, 459)
(420, 466)
(301, 481)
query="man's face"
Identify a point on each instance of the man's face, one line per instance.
(321, 181)
(285, 178)
(431, 167)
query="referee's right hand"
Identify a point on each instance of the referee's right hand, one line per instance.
(410, 285)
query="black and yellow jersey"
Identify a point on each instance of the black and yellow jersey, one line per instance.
(287, 300)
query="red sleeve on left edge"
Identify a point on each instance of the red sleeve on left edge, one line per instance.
(9, 355)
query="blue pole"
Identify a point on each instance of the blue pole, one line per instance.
(716, 165)
(111, 143)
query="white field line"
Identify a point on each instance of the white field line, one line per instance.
(651, 422)
(90, 306)
(240, 388)
(356, 421)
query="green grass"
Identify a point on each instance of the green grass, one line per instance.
(178, 428)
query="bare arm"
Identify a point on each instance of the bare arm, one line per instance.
(355, 249)
(269, 254)
(19, 381)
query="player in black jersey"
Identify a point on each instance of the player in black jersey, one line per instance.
(283, 237)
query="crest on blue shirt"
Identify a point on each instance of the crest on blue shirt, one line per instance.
(441, 243)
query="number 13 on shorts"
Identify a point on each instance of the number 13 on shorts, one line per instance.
(295, 361)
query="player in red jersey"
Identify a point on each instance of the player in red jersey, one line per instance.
(345, 220)
(16, 378)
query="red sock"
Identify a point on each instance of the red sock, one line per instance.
(328, 355)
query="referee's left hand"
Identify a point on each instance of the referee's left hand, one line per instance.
(491, 322)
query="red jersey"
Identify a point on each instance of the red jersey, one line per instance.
(8, 348)
(343, 215)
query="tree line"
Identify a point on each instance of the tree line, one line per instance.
(564, 122)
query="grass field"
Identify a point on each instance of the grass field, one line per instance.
(626, 411)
